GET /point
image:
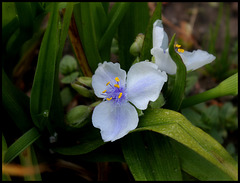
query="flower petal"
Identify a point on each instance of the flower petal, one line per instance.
(196, 59)
(106, 72)
(160, 38)
(114, 121)
(164, 60)
(144, 83)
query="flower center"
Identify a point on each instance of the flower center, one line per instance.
(115, 91)
(177, 48)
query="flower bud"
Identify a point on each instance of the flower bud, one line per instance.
(77, 117)
(86, 81)
(82, 90)
(136, 47)
(68, 64)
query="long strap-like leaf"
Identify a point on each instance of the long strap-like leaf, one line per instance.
(175, 96)
(43, 84)
(147, 45)
(16, 104)
(134, 22)
(57, 113)
(176, 126)
(90, 29)
(22, 143)
(151, 157)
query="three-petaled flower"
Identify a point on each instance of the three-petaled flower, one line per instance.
(192, 60)
(116, 116)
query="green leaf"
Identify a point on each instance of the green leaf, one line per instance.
(113, 19)
(109, 152)
(25, 30)
(22, 143)
(150, 157)
(25, 16)
(16, 104)
(196, 165)
(89, 140)
(43, 84)
(57, 113)
(90, 19)
(174, 98)
(134, 22)
(147, 44)
(8, 30)
(65, 27)
(227, 87)
(176, 126)
(9, 21)
(105, 6)
(8, 12)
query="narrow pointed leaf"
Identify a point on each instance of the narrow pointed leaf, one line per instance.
(114, 18)
(57, 113)
(25, 16)
(134, 22)
(16, 104)
(175, 96)
(148, 44)
(43, 84)
(22, 143)
(91, 20)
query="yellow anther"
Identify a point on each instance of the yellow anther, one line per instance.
(116, 85)
(120, 95)
(108, 83)
(177, 45)
(117, 79)
(104, 91)
(109, 98)
(181, 50)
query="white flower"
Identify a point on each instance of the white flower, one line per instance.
(115, 116)
(192, 60)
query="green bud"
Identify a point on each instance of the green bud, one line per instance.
(82, 90)
(78, 116)
(136, 47)
(68, 64)
(86, 81)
